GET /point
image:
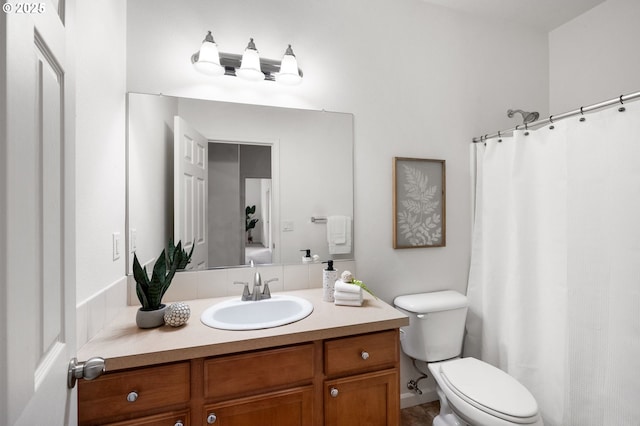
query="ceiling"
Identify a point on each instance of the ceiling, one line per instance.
(541, 14)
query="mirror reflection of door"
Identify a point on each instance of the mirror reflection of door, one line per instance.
(190, 191)
(239, 176)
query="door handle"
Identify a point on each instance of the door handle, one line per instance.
(88, 370)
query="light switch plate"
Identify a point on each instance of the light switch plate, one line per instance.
(133, 235)
(116, 245)
(287, 226)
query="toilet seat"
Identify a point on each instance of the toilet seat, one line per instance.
(489, 390)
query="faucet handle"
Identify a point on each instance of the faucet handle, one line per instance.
(266, 293)
(245, 292)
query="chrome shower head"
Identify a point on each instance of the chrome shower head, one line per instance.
(527, 117)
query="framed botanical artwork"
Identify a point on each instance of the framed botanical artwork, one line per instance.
(418, 203)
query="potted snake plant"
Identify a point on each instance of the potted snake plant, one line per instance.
(151, 290)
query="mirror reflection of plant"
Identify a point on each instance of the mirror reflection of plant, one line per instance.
(251, 222)
(173, 250)
(151, 290)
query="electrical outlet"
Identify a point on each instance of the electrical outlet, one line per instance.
(116, 245)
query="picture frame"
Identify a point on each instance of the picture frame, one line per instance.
(419, 203)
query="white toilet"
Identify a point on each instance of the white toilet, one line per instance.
(471, 392)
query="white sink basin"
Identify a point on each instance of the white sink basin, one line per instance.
(252, 315)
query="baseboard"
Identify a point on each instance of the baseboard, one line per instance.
(410, 399)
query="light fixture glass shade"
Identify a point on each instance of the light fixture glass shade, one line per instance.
(250, 65)
(209, 58)
(289, 73)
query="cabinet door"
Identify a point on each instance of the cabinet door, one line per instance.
(178, 418)
(293, 407)
(366, 400)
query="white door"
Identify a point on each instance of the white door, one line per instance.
(37, 265)
(190, 169)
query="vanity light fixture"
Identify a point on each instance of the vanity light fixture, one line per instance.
(248, 66)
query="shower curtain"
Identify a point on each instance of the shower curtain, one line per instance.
(554, 282)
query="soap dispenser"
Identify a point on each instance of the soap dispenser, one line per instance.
(307, 256)
(329, 277)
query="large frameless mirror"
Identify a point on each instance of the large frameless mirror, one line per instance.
(241, 182)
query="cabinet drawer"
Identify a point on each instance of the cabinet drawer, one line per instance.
(360, 353)
(230, 376)
(126, 393)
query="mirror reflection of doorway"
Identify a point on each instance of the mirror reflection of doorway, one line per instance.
(231, 166)
(258, 223)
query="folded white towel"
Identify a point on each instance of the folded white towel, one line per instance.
(347, 296)
(347, 287)
(348, 302)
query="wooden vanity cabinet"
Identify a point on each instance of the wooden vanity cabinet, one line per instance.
(349, 380)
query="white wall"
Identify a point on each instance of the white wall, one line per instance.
(100, 143)
(594, 57)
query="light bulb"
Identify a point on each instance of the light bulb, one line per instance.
(209, 58)
(289, 73)
(250, 65)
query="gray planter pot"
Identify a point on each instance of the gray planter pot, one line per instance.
(150, 319)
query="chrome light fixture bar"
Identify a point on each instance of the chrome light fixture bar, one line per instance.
(249, 66)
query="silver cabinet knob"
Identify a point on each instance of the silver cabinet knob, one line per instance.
(179, 423)
(133, 396)
(364, 355)
(334, 392)
(211, 418)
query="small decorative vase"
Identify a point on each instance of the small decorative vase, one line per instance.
(151, 319)
(177, 314)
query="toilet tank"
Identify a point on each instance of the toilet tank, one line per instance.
(436, 324)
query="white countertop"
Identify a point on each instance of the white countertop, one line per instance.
(123, 345)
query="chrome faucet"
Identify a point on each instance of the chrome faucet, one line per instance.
(255, 294)
(257, 283)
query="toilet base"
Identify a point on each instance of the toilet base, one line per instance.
(446, 417)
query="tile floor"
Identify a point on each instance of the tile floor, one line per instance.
(419, 415)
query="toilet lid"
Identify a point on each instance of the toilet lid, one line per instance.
(423, 303)
(489, 388)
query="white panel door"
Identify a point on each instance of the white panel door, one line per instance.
(191, 152)
(37, 267)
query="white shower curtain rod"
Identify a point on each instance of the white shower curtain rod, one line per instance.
(553, 118)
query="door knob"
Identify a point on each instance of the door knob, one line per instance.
(88, 370)
(334, 392)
